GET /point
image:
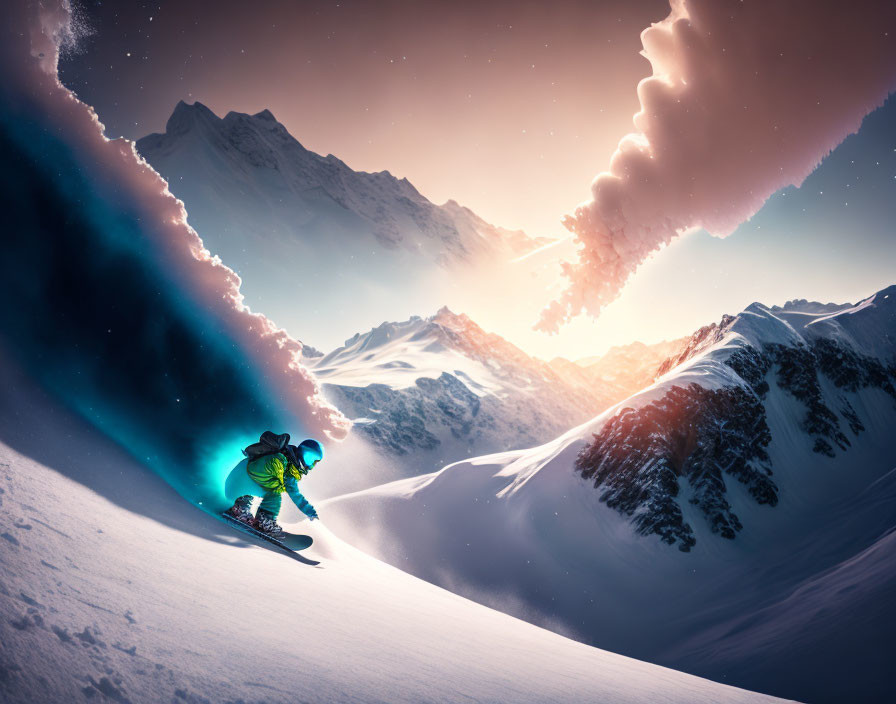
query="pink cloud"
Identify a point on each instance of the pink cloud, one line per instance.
(745, 98)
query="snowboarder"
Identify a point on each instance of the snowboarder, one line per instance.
(276, 467)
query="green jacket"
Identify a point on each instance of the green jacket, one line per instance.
(271, 471)
(277, 474)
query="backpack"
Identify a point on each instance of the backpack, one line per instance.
(269, 444)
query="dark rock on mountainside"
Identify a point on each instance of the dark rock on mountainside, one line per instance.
(698, 434)
(704, 435)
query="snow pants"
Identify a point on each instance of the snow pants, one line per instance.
(239, 483)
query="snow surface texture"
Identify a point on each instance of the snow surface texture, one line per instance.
(723, 450)
(116, 589)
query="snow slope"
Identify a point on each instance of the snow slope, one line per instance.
(116, 589)
(766, 454)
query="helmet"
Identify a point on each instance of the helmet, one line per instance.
(310, 452)
(304, 455)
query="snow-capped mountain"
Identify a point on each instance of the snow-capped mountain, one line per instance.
(821, 359)
(295, 224)
(255, 158)
(764, 454)
(428, 391)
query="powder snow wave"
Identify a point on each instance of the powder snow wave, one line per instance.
(109, 298)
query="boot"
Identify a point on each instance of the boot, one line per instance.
(242, 509)
(266, 523)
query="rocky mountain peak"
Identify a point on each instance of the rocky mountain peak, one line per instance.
(253, 160)
(186, 116)
(265, 115)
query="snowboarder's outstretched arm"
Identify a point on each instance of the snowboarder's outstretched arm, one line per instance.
(292, 488)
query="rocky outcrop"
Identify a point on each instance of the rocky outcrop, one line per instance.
(689, 444)
(700, 435)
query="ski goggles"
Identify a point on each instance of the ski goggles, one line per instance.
(305, 468)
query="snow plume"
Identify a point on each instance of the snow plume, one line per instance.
(110, 297)
(745, 98)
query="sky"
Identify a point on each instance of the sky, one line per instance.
(506, 107)
(510, 108)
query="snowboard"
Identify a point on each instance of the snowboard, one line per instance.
(288, 542)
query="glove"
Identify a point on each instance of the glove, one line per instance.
(311, 513)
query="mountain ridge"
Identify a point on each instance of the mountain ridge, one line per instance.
(393, 208)
(439, 389)
(307, 234)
